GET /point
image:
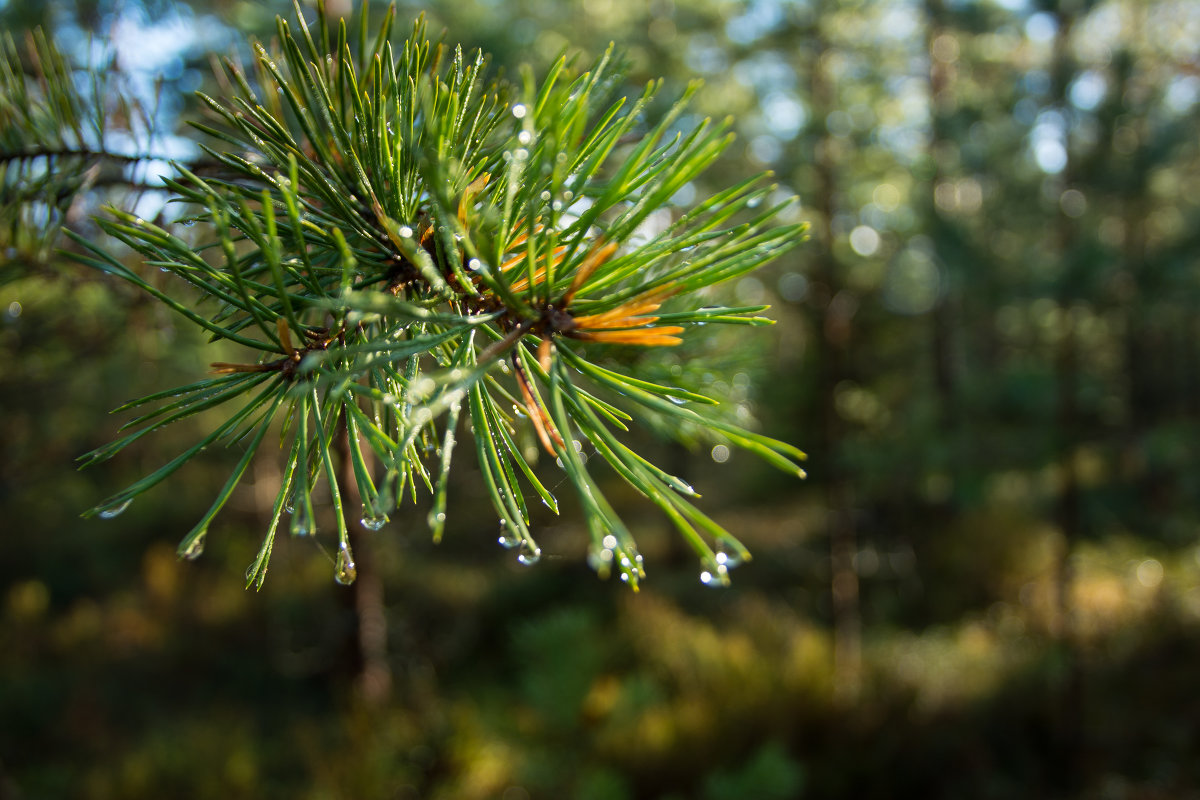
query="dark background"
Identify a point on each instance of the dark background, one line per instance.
(989, 586)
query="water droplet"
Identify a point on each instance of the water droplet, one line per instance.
(345, 571)
(405, 232)
(508, 540)
(729, 555)
(519, 111)
(520, 154)
(115, 510)
(436, 519)
(193, 549)
(289, 505)
(475, 265)
(714, 580)
(372, 520)
(525, 137)
(529, 553)
(251, 573)
(302, 525)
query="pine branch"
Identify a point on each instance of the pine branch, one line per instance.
(403, 242)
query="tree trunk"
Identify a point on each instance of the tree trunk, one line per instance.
(835, 310)
(374, 679)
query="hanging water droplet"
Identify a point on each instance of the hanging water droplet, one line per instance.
(714, 580)
(345, 571)
(600, 560)
(371, 519)
(529, 553)
(289, 505)
(251, 573)
(302, 525)
(115, 510)
(728, 555)
(508, 540)
(193, 549)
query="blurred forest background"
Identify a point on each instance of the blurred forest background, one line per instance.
(989, 586)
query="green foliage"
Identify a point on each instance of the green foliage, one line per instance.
(560, 660)
(769, 774)
(397, 242)
(56, 136)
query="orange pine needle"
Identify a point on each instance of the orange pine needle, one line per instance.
(538, 275)
(224, 368)
(522, 237)
(473, 188)
(541, 422)
(598, 255)
(645, 337)
(520, 258)
(630, 323)
(623, 315)
(285, 336)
